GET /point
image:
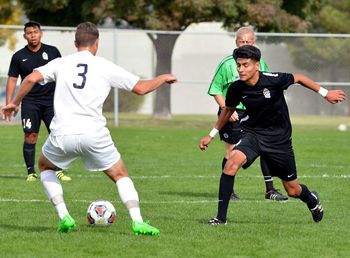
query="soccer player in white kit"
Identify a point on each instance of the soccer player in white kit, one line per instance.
(78, 128)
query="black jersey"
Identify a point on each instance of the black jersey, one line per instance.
(266, 113)
(23, 63)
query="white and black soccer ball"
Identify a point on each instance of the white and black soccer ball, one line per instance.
(101, 213)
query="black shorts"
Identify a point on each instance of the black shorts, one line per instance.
(231, 131)
(33, 112)
(279, 160)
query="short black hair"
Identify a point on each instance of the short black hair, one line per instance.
(31, 24)
(247, 51)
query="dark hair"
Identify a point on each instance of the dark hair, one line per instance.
(86, 34)
(31, 24)
(247, 51)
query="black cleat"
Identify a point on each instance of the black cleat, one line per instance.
(215, 222)
(275, 195)
(234, 197)
(317, 211)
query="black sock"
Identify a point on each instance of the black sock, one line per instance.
(224, 160)
(225, 191)
(29, 156)
(307, 197)
(267, 176)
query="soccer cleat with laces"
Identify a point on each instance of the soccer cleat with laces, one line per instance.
(275, 195)
(62, 177)
(32, 177)
(216, 221)
(66, 224)
(234, 197)
(144, 228)
(317, 211)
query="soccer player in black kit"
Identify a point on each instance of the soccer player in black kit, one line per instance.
(266, 127)
(38, 104)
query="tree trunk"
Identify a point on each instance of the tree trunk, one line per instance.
(164, 45)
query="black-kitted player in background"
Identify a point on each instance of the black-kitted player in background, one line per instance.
(230, 133)
(38, 104)
(267, 130)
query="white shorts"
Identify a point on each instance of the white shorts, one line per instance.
(96, 150)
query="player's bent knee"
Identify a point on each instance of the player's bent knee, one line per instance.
(31, 138)
(117, 171)
(231, 168)
(292, 188)
(292, 194)
(45, 164)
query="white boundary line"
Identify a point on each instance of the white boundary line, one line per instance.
(115, 201)
(242, 175)
(184, 202)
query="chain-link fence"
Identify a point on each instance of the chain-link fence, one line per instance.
(197, 52)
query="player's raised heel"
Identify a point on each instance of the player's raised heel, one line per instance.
(32, 177)
(216, 221)
(234, 197)
(66, 224)
(62, 177)
(144, 228)
(317, 211)
(275, 195)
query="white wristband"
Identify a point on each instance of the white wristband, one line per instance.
(213, 132)
(323, 92)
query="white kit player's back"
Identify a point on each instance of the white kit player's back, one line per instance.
(83, 82)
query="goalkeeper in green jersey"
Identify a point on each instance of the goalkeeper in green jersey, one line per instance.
(225, 74)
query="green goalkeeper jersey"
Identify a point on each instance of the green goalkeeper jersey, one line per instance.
(225, 74)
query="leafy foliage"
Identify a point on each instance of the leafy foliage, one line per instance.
(330, 16)
(265, 15)
(60, 12)
(11, 13)
(334, 17)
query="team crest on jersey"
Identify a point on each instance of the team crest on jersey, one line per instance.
(266, 93)
(45, 56)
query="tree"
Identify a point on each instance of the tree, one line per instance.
(178, 14)
(265, 15)
(326, 16)
(11, 13)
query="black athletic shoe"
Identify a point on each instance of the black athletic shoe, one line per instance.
(275, 195)
(215, 222)
(317, 211)
(234, 197)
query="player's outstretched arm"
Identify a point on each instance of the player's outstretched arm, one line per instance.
(332, 96)
(11, 109)
(10, 88)
(222, 120)
(145, 86)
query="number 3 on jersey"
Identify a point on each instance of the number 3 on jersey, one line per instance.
(83, 75)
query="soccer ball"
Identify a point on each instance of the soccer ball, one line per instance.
(101, 213)
(342, 127)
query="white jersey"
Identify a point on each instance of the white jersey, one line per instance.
(83, 82)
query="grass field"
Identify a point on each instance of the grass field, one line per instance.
(178, 185)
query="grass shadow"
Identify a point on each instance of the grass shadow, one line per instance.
(33, 228)
(190, 194)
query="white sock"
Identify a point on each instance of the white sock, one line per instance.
(54, 191)
(129, 197)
